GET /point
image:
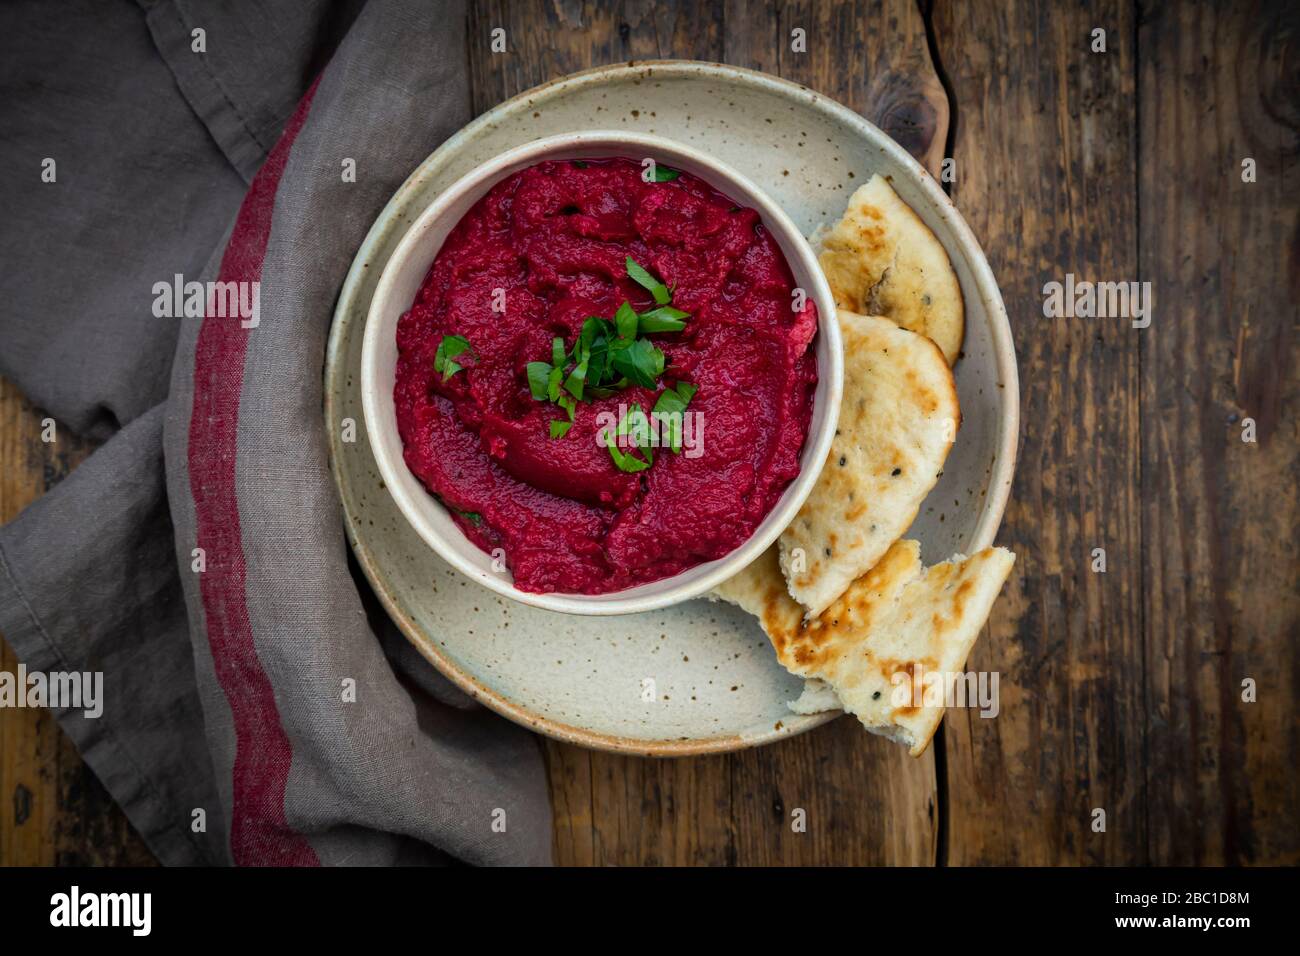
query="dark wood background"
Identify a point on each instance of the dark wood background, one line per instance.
(1121, 690)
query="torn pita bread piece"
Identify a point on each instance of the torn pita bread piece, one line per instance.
(874, 646)
(881, 259)
(817, 698)
(898, 419)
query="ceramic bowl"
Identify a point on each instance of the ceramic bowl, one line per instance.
(405, 271)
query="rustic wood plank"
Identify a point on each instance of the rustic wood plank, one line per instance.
(871, 55)
(1223, 578)
(1045, 152)
(660, 812)
(865, 802)
(545, 40)
(53, 810)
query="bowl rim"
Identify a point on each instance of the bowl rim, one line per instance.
(800, 257)
(985, 285)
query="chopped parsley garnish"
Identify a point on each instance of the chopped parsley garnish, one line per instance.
(608, 356)
(675, 399)
(638, 274)
(626, 321)
(626, 461)
(663, 426)
(577, 379)
(636, 426)
(538, 373)
(665, 174)
(473, 517)
(663, 319)
(639, 362)
(668, 412)
(448, 349)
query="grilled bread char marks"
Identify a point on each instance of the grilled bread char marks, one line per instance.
(881, 259)
(844, 600)
(897, 621)
(898, 420)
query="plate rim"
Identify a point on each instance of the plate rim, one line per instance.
(1003, 349)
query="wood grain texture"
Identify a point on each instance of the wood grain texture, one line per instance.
(53, 810)
(1220, 84)
(863, 801)
(871, 56)
(1046, 153)
(1119, 690)
(1125, 687)
(546, 39)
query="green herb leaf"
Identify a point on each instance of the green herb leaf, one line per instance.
(593, 347)
(670, 432)
(663, 319)
(560, 428)
(608, 356)
(639, 429)
(636, 426)
(674, 400)
(626, 462)
(449, 348)
(538, 375)
(473, 517)
(640, 362)
(665, 174)
(592, 329)
(633, 424)
(625, 321)
(638, 274)
(669, 409)
(597, 370)
(577, 379)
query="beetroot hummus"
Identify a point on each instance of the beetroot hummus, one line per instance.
(541, 266)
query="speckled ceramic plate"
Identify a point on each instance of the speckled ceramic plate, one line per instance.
(698, 677)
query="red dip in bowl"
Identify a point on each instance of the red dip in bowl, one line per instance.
(520, 452)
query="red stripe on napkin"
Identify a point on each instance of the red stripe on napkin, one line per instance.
(259, 832)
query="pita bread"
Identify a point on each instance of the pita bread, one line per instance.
(881, 259)
(874, 646)
(898, 419)
(817, 698)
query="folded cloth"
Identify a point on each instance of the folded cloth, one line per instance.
(197, 559)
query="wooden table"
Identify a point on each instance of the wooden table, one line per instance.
(1121, 690)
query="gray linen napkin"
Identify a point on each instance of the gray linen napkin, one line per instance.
(227, 690)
